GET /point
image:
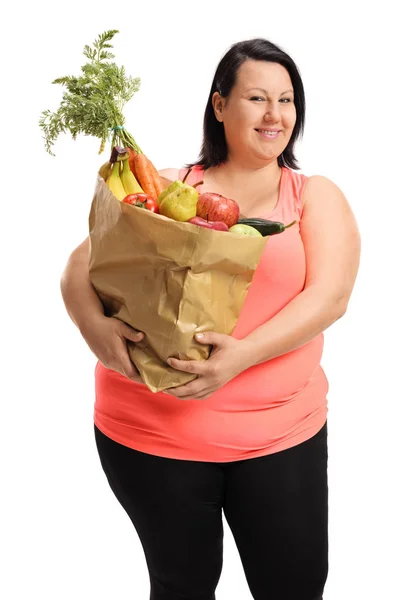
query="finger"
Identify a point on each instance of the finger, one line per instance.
(188, 366)
(211, 337)
(134, 375)
(183, 392)
(128, 368)
(193, 387)
(193, 395)
(197, 392)
(132, 334)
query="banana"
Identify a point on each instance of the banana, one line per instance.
(115, 184)
(128, 179)
(105, 170)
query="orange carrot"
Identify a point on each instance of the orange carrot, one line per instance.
(131, 159)
(156, 178)
(144, 175)
(143, 169)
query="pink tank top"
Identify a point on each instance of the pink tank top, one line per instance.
(270, 407)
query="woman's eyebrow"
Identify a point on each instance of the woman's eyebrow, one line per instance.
(265, 91)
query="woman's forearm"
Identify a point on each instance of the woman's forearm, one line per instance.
(306, 316)
(80, 298)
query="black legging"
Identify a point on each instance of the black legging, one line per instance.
(276, 507)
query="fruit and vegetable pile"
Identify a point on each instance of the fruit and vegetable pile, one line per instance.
(159, 250)
(138, 186)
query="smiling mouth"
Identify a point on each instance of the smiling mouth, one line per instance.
(267, 133)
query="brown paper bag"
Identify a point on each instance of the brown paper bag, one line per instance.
(167, 279)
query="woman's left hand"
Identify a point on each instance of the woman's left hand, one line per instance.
(226, 361)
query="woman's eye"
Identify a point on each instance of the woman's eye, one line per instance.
(261, 99)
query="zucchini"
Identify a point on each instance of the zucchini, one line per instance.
(264, 226)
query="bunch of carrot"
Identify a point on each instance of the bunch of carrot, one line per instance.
(145, 172)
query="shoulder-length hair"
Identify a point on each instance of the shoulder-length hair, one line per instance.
(214, 150)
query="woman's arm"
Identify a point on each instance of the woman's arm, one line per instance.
(80, 298)
(332, 246)
(106, 337)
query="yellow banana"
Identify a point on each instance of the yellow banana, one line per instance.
(128, 179)
(105, 170)
(115, 184)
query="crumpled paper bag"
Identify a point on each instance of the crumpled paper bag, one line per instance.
(167, 279)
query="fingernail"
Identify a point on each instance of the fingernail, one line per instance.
(169, 361)
(199, 335)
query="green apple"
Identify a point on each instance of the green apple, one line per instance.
(245, 230)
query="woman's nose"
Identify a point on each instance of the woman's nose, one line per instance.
(272, 113)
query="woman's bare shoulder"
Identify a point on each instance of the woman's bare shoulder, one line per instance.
(318, 186)
(170, 174)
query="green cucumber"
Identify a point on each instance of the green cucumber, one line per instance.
(264, 226)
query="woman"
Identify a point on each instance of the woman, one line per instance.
(248, 436)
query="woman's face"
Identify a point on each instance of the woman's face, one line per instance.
(259, 115)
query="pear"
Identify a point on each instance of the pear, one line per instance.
(175, 185)
(180, 204)
(171, 188)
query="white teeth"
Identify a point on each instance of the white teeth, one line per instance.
(268, 132)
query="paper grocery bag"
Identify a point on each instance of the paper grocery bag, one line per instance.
(167, 279)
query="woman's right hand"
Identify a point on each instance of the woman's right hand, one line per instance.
(107, 338)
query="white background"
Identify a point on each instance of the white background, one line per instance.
(63, 535)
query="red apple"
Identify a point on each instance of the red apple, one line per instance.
(215, 207)
(218, 225)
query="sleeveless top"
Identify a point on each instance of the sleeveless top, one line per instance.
(267, 408)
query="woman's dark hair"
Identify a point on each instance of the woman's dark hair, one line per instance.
(214, 149)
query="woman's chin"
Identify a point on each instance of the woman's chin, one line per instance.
(266, 156)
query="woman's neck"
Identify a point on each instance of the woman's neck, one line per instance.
(251, 187)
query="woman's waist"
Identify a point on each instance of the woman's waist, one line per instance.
(231, 427)
(269, 383)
